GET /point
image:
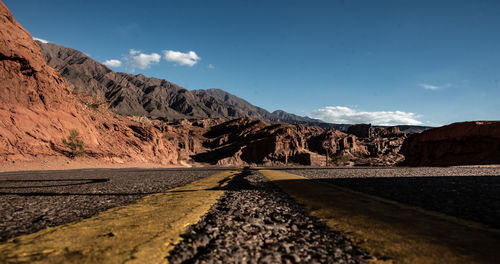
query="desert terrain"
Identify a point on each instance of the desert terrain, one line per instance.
(98, 166)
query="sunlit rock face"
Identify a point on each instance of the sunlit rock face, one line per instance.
(38, 108)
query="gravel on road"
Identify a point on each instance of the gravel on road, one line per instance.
(31, 201)
(256, 222)
(471, 193)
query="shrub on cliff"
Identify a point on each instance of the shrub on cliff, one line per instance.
(75, 143)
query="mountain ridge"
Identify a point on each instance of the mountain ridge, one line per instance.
(139, 95)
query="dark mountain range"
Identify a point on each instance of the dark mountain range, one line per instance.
(243, 107)
(128, 94)
(282, 115)
(138, 95)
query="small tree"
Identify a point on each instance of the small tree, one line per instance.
(179, 155)
(75, 143)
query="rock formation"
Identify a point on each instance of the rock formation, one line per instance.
(369, 131)
(38, 109)
(251, 142)
(465, 143)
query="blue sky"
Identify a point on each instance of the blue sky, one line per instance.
(384, 62)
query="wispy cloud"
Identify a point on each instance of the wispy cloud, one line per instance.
(210, 66)
(346, 115)
(429, 86)
(432, 87)
(137, 59)
(41, 40)
(113, 63)
(180, 58)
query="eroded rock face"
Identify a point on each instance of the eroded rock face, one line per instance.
(369, 131)
(38, 109)
(466, 143)
(381, 144)
(251, 142)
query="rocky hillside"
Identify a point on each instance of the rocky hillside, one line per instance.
(138, 95)
(237, 104)
(465, 143)
(282, 115)
(38, 109)
(246, 141)
(126, 94)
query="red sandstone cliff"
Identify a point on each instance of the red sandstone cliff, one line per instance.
(466, 143)
(38, 109)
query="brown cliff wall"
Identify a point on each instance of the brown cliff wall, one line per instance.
(466, 143)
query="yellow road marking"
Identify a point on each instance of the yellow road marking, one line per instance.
(143, 232)
(390, 231)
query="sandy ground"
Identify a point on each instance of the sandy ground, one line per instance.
(63, 163)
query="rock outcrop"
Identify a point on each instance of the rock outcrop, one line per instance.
(38, 109)
(369, 131)
(466, 143)
(246, 141)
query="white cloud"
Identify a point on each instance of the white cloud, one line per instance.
(429, 86)
(346, 115)
(137, 59)
(210, 66)
(134, 52)
(113, 63)
(184, 59)
(41, 40)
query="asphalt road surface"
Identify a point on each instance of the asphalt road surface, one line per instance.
(471, 193)
(255, 221)
(31, 201)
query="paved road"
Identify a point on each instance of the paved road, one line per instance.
(471, 193)
(254, 220)
(31, 201)
(392, 230)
